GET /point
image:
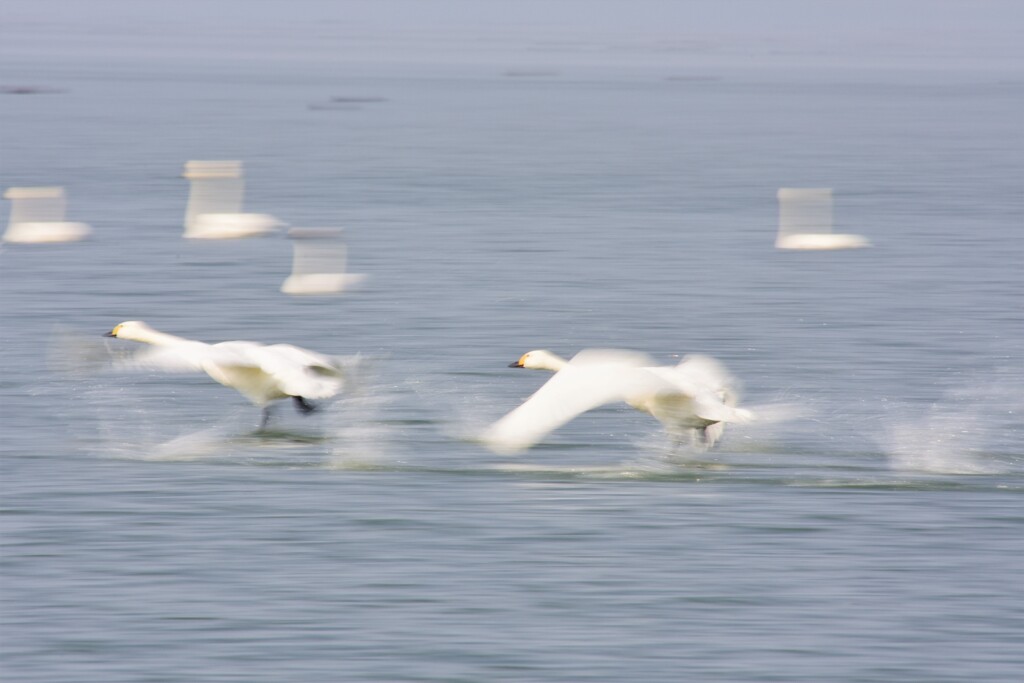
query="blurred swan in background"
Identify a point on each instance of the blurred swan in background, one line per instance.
(215, 202)
(260, 373)
(37, 216)
(805, 221)
(318, 263)
(694, 398)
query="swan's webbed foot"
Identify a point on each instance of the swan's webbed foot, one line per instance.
(302, 405)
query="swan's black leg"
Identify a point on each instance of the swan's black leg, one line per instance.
(302, 405)
(265, 418)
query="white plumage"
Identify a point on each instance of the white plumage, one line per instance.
(696, 397)
(260, 373)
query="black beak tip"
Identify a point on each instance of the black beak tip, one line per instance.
(108, 334)
(515, 365)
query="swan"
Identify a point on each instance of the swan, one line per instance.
(37, 216)
(216, 195)
(695, 397)
(805, 221)
(260, 373)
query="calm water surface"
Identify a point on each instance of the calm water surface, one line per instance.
(868, 529)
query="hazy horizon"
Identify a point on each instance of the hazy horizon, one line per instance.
(943, 34)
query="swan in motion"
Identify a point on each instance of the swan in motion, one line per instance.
(695, 397)
(260, 373)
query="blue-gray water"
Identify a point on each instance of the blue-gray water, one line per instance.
(150, 534)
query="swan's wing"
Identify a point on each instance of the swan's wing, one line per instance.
(573, 390)
(612, 357)
(706, 372)
(298, 355)
(301, 372)
(710, 388)
(190, 356)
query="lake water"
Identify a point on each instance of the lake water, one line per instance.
(868, 528)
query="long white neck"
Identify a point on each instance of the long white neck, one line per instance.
(545, 360)
(161, 338)
(141, 332)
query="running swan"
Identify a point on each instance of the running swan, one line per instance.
(694, 398)
(260, 373)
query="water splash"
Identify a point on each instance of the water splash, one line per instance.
(191, 446)
(971, 430)
(360, 438)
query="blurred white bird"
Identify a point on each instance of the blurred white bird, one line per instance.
(695, 397)
(260, 373)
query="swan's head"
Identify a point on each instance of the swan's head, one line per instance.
(539, 360)
(134, 330)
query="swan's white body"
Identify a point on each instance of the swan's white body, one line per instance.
(821, 241)
(230, 226)
(695, 397)
(260, 373)
(40, 232)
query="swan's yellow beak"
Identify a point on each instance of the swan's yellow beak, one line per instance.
(113, 332)
(518, 363)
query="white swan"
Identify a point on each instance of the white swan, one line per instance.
(695, 397)
(805, 221)
(215, 199)
(260, 373)
(37, 216)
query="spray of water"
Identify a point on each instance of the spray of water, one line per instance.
(358, 435)
(975, 429)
